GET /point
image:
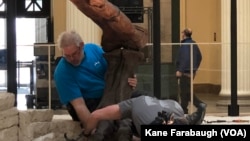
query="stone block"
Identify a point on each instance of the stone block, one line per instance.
(9, 122)
(35, 115)
(9, 134)
(34, 130)
(66, 126)
(7, 101)
(59, 137)
(8, 113)
(47, 137)
(71, 128)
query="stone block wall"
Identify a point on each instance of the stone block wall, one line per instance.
(33, 124)
(8, 118)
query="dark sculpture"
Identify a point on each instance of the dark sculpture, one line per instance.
(121, 40)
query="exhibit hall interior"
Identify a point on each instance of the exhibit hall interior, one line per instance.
(29, 53)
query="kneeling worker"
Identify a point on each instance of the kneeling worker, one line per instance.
(146, 110)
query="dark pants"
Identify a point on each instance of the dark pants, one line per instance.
(185, 87)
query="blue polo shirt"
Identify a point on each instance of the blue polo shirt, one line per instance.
(85, 80)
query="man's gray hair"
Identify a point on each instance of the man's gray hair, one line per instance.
(68, 38)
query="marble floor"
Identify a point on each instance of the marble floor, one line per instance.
(220, 114)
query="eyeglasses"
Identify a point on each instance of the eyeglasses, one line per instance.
(74, 54)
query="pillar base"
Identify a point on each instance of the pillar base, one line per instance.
(226, 101)
(233, 110)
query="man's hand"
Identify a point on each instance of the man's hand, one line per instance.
(90, 126)
(132, 81)
(163, 118)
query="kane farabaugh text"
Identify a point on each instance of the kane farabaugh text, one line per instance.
(175, 132)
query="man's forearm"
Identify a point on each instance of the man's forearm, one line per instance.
(111, 112)
(81, 110)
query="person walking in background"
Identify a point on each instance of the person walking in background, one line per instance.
(183, 70)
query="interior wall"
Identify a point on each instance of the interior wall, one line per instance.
(59, 19)
(166, 32)
(203, 17)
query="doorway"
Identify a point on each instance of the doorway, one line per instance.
(28, 32)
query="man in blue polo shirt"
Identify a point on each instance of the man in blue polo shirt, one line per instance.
(80, 75)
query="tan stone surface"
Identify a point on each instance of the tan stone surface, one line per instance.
(62, 124)
(34, 115)
(34, 130)
(71, 128)
(9, 134)
(8, 113)
(9, 122)
(58, 137)
(47, 137)
(7, 101)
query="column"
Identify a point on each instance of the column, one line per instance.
(76, 20)
(243, 52)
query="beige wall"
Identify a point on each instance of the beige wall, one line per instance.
(203, 17)
(166, 32)
(76, 20)
(59, 17)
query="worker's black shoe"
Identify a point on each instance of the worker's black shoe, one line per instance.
(197, 117)
(202, 111)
